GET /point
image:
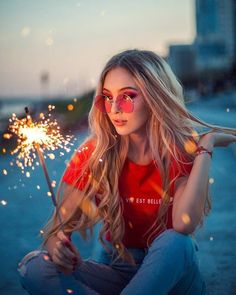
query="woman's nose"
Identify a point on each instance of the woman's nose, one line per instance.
(115, 107)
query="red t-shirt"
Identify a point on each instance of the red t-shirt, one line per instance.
(140, 189)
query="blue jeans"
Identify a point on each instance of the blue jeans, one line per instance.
(168, 266)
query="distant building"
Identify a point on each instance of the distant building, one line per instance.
(215, 41)
(213, 52)
(182, 60)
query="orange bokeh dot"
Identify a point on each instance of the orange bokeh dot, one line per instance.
(46, 257)
(190, 146)
(70, 107)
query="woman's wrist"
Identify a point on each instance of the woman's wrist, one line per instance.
(207, 142)
(205, 145)
(202, 150)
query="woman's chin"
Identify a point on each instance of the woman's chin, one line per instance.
(121, 131)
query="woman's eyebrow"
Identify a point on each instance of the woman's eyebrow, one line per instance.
(128, 87)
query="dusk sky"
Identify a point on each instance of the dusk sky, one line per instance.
(72, 40)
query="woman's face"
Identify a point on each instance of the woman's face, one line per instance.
(120, 81)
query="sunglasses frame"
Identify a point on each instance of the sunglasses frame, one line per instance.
(100, 101)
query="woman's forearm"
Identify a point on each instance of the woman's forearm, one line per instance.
(189, 206)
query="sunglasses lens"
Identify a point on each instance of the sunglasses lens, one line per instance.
(99, 102)
(125, 104)
(108, 105)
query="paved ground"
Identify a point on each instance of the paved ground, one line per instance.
(217, 238)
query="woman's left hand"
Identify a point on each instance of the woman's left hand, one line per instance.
(217, 139)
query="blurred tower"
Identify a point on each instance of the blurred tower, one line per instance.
(182, 61)
(216, 35)
(44, 85)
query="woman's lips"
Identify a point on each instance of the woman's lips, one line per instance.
(119, 122)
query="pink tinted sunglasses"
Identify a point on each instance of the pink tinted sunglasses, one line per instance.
(125, 102)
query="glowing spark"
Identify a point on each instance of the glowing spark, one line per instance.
(117, 246)
(185, 218)
(35, 137)
(103, 12)
(3, 202)
(25, 31)
(7, 135)
(31, 135)
(100, 160)
(89, 208)
(75, 99)
(130, 224)
(156, 187)
(227, 110)
(38, 186)
(51, 107)
(195, 135)
(4, 151)
(51, 156)
(92, 81)
(190, 146)
(211, 238)
(63, 210)
(53, 183)
(70, 107)
(69, 291)
(46, 257)
(4, 171)
(41, 232)
(211, 180)
(49, 41)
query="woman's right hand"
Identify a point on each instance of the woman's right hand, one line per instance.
(65, 255)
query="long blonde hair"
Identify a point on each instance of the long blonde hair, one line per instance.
(170, 128)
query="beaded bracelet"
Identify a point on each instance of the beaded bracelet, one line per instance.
(202, 150)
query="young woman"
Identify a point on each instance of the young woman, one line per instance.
(142, 172)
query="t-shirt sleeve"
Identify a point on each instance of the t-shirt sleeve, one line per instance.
(75, 174)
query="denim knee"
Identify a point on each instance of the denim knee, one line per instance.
(35, 269)
(178, 243)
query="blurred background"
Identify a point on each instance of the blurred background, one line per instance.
(52, 52)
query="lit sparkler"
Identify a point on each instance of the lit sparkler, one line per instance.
(33, 138)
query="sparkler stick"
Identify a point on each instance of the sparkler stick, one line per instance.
(43, 164)
(34, 138)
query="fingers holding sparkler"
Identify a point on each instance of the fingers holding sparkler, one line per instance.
(65, 255)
